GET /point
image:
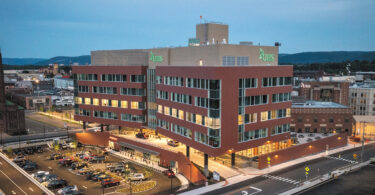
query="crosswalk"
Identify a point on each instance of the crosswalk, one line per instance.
(281, 179)
(342, 159)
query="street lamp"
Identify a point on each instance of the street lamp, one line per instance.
(127, 176)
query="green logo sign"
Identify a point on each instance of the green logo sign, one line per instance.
(155, 58)
(266, 57)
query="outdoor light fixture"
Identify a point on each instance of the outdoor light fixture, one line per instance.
(310, 146)
(339, 138)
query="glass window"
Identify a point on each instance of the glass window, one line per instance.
(87, 101)
(124, 104)
(181, 114)
(166, 110)
(264, 116)
(160, 108)
(105, 102)
(114, 103)
(134, 105)
(95, 101)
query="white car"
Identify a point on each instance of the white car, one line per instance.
(39, 174)
(137, 177)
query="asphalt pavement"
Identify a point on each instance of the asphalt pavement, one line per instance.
(283, 180)
(13, 182)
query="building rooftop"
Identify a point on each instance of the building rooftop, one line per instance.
(363, 85)
(317, 104)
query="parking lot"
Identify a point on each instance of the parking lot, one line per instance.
(94, 172)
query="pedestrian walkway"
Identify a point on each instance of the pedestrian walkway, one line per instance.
(249, 172)
(342, 159)
(281, 179)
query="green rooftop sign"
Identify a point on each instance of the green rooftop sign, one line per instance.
(155, 58)
(266, 57)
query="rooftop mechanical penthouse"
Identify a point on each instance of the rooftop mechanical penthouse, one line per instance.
(218, 98)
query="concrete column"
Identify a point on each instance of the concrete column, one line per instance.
(188, 152)
(206, 173)
(84, 125)
(101, 127)
(233, 160)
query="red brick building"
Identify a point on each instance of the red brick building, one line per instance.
(326, 91)
(321, 117)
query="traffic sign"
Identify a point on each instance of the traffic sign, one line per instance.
(355, 156)
(307, 169)
(307, 173)
(268, 159)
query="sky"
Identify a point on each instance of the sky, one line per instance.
(49, 28)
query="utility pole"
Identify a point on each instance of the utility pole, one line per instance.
(363, 140)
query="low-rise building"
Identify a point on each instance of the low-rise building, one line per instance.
(33, 101)
(321, 117)
(362, 99)
(63, 83)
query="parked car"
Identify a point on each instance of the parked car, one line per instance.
(311, 135)
(55, 156)
(76, 165)
(55, 184)
(110, 182)
(137, 177)
(141, 135)
(71, 190)
(49, 177)
(97, 159)
(309, 140)
(317, 137)
(18, 158)
(173, 143)
(169, 173)
(104, 177)
(32, 166)
(83, 171)
(325, 134)
(90, 175)
(301, 136)
(97, 176)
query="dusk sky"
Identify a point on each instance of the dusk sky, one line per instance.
(48, 28)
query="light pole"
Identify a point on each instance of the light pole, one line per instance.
(363, 140)
(44, 132)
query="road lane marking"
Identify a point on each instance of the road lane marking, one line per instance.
(31, 189)
(84, 187)
(281, 179)
(13, 182)
(342, 159)
(13, 192)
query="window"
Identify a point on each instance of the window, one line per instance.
(133, 91)
(174, 81)
(181, 114)
(105, 102)
(279, 129)
(181, 130)
(181, 98)
(87, 77)
(104, 90)
(113, 77)
(281, 97)
(114, 103)
(133, 118)
(162, 95)
(299, 119)
(331, 120)
(174, 112)
(264, 116)
(254, 100)
(253, 134)
(276, 81)
(160, 109)
(242, 60)
(138, 78)
(83, 89)
(105, 115)
(138, 105)
(166, 110)
(95, 101)
(88, 101)
(124, 104)
(251, 118)
(229, 60)
(78, 100)
(315, 119)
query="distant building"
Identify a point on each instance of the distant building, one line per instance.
(33, 101)
(326, 91)
(362, 99)
(321, 117)
(63, 83)
(366, 123)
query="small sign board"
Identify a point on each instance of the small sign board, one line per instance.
(355, 156)
(216, 176)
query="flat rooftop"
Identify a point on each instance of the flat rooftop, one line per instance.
(317, 104)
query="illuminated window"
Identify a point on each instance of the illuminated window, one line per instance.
(181, 114)
(124, 104)
(273, 114)
(114, 103)
(78, 100)
(88, 101)
(288, 112)
(198, 119)
(188, 116)
(240, 119)
(105, 102)
(95, 102)
(134, 105)
(160, 109)
(174, 112)
(166, 110)
(264, 116)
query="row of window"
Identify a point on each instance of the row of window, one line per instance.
(133, 118)
(203, 83)
(279, 129)
(247, 118)
(281, 97)
(105, 115)
(171, 112)
(231, 60)
(133, 91)
(83, 89)
(253, 134)
(163, 124)
(162, 95)
(82, 112)
(253, 100)
(173, 81)
(114, 77)
(87, 77)
(276, 81)
(316, 119)
(181, 98)
(213, 141)
(248, 83)
(275, 114)
(181, 130)
(111, 103)
(104, 90)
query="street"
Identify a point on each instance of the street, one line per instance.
(283, 180)
(13, 182)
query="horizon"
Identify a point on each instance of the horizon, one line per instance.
(34, 30)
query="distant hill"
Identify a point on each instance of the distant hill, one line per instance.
(85, 59)
(324, 57)
(22, 61)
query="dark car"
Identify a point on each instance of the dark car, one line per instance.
(71, 190)
(169, 173)
(55, 184)
(97, 159)
(29, 151)
(141, 135)
(118, 169)
(32, 166)
(96, 177)
(90, 175)
(55, 156)
(68, 162)
(50, 177)
(110, 182)
(76, 165)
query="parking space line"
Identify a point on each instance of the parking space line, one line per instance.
(13, 192)
(31, 189)
(13, 182)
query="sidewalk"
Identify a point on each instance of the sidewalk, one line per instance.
(152, 165)
(249, 173)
